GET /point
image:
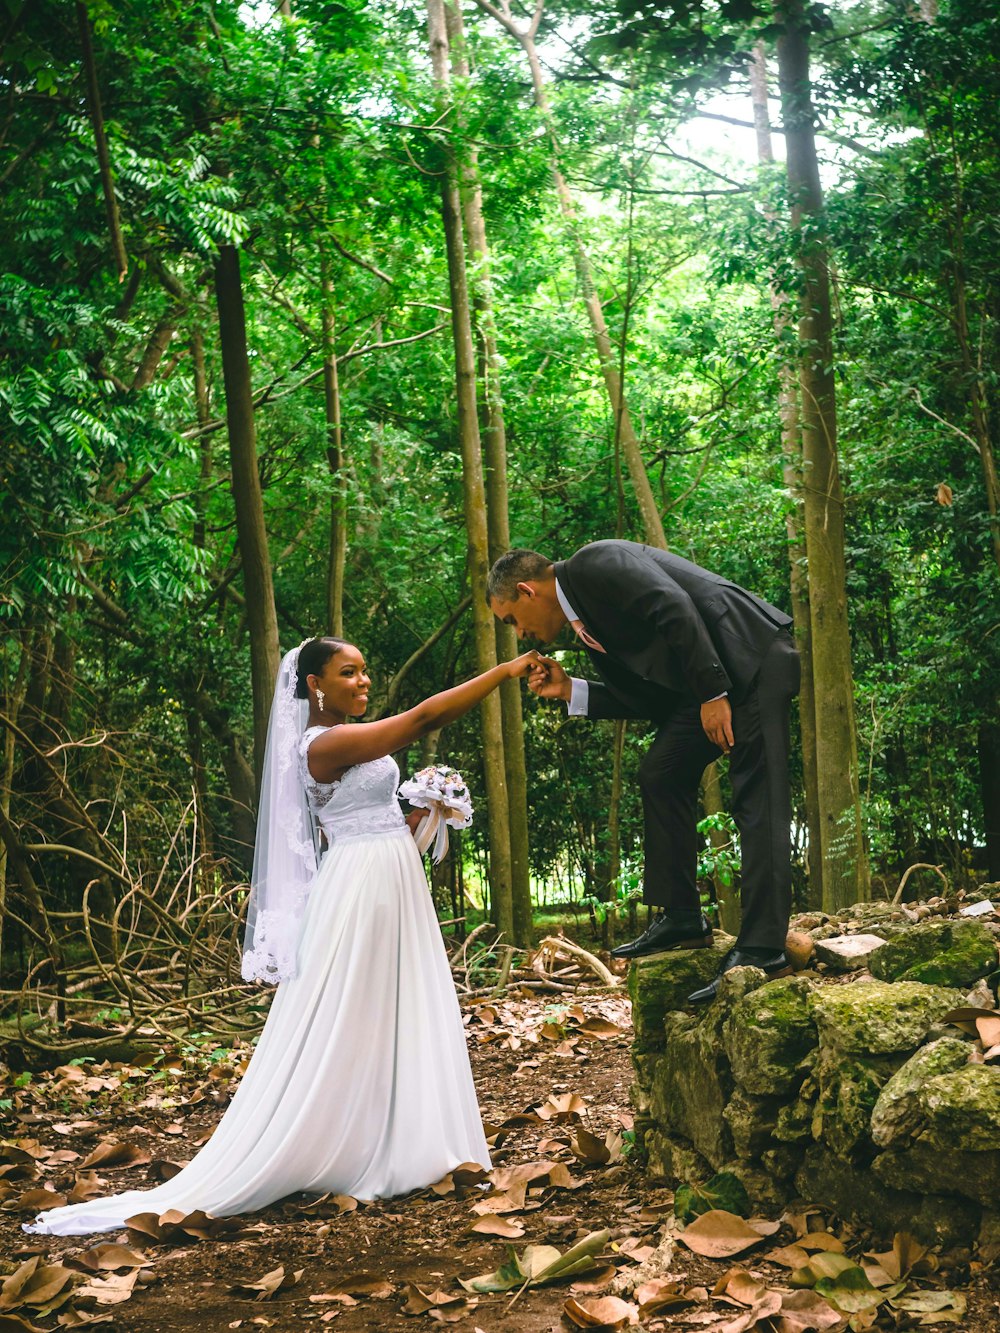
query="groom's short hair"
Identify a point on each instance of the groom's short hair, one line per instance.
(517, 566)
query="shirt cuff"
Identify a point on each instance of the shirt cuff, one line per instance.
(723, 695)
(579, 699)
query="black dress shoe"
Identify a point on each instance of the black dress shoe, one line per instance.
(669, 932)
(773, 964)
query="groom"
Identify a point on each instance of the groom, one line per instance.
(715, 667)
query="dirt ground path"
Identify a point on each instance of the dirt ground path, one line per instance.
(553, 1081)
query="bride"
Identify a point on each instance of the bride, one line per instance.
(360, 1083)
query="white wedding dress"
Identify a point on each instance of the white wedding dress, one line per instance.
(360, 1083)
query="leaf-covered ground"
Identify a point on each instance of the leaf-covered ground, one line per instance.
(553, 1081)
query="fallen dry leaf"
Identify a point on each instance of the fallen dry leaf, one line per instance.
(663, 1295)
(111, 1290)
(269, 1285)
(601, 1312)
(491, 1225)
(108, 1256)
(719, 1235)
(110, 1154)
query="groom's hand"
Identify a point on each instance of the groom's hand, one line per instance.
(717, 723)
(548, 680)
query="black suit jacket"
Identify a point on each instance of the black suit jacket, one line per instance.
(674, 632)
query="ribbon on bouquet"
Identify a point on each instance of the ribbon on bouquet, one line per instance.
(443, 794)
(433, 829)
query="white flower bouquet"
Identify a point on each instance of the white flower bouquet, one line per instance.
(443, 794)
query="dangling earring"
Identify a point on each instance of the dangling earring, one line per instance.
(320, 696)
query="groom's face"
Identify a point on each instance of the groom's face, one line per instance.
(535, 614)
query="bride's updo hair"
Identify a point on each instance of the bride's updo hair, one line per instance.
(313, 657)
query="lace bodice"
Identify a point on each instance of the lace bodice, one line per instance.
(363, 801)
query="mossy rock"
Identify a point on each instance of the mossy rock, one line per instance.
(660, 983)
(939, 953)
(751, 1122)
(672, 1159)
(848, 1091)
(794, 1122)
(897, 1115)
(692, 1086)
(933, 1169)
(782, 1161)
(879, 1017)
(768, 1033)
(859, 1196)
(962, 1108)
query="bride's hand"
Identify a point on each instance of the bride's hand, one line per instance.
(526, 663)
(548, 680)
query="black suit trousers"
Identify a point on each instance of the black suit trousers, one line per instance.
(758, 770)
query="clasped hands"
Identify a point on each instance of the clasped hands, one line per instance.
(548, 680)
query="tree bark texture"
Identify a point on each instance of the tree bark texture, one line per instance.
(256, 560)
(989, 785)
(500, 876)
(494, 440)
(845, 861)
(335, 460)
(791, 450)
(101, 141)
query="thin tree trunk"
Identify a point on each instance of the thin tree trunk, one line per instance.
(335, 460)
(101, 141)
(500, 876)
(203, 412)
(989, 786)
(13, 699)
(791, 449)
(845, 861)
(711, 801)
(261, 618)
(494, 439)
(614, 827)
(651, 521)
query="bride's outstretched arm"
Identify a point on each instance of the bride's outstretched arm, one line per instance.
(341, 747)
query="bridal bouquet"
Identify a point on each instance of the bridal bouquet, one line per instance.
(443, 793)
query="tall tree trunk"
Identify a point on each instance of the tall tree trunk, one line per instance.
(494, 439)
(845, 860)
(262, 621)
(474, 493)
(334, 458)
(651, 521)
(203, 411)
(101, 141)
(989, 785)
(13, 699)
(791, 449)
(711, 803)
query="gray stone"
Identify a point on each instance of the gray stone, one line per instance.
(843, 953)
(897, 1113)
(794, 1122)
(661, 983)
(751, 1122)
(861, 1197)
(782, 1161)
(876, 1017)
(932, 1169)
(767, 1034)
(692, 1086)
(672, 1159)
(962, 1108)
(848, 1090)
(940, 953)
